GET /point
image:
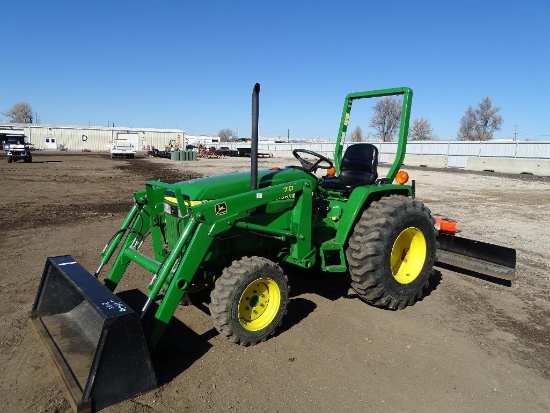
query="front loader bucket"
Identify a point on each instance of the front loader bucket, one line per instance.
(481, 257)
(94, 338)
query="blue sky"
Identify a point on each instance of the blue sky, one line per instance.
(192, 64)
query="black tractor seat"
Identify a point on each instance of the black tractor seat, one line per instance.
(358, 167)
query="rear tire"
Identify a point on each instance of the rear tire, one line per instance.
(391, 252)
(249, 300)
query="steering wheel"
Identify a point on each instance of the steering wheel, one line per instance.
(312, 166)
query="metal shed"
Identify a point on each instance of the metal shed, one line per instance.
(95, 138)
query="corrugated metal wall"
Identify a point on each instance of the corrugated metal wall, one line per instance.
(98, 139)
(457, 152)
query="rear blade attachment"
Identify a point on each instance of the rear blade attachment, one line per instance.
(95, 339)
(481, 257)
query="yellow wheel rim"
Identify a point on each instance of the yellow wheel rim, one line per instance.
(408, 255)
(259, 304)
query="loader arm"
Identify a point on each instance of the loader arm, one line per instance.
(201, 224)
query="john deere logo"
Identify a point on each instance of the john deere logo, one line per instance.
(221, 209)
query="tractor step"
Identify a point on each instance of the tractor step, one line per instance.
(481, 257)
(95, 339)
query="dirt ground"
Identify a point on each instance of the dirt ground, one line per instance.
(470, 345)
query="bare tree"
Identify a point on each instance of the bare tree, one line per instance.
(489, 119)
(226, 135)
(467, 125)
(19, 113)
(480, 124)
(386, 117)
(357, 135)
(421, 130)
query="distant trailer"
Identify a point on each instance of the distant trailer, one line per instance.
(244, 151)
(247, 152)
(225, 151)
(124, 145)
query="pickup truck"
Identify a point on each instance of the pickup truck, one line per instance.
(17, 149)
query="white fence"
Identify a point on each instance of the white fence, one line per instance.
(455, 152)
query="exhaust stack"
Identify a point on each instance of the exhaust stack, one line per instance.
(254, 136)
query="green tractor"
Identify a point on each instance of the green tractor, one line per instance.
(235, 233)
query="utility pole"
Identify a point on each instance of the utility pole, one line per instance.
(515, 133)
(288, 135)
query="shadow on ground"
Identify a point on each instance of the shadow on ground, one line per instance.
(170, 358)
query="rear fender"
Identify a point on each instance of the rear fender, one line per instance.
(359, 200)
(332, 252)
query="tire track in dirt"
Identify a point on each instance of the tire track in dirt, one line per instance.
(27, 215)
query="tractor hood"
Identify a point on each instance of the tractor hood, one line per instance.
(214, 187)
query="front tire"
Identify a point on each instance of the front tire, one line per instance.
(10, 159)
(391, 252)
(249, 300)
